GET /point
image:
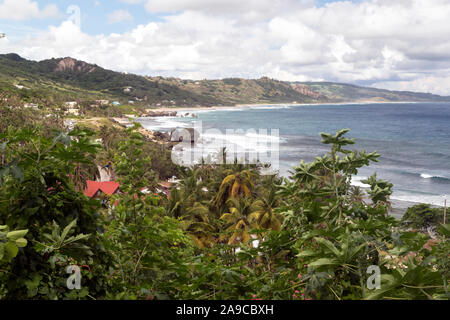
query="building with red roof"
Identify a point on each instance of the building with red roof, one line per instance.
(95, 189)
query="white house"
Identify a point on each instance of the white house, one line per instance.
(71, 104)
(102, 102)
(30, 105)
(75, 112)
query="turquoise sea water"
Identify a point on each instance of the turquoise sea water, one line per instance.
(412, 138)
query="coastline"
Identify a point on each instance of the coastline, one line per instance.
(253, 105)
(398, 206)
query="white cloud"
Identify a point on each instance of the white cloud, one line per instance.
(119, 16)
(427, 84)
(26, 9)
(376, 42)
(219, 6)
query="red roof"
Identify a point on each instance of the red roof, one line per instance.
(109, 187)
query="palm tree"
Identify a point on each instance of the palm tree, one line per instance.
(235, 185)
(356, 195)
(264, 216)
(237, 221)
(176, 203)
(198, 225)
(191, 185)
(109, 136)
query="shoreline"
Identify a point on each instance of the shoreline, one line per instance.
(399, 207)
(250, 105)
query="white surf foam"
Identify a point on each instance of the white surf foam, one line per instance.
(435, 200)
(270, 107)
(356, 181)
(241, 143)
(158, 123)
(431, 176)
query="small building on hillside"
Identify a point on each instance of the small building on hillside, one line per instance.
(71, 104)
(74, 112)
(165, 186)
(102, 102)
(31, 106)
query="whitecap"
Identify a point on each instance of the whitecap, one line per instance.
(356, 182)
(431, 176)
(270, 107)
(158, 123)
(436, 200)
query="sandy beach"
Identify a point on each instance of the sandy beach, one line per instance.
(168, 109)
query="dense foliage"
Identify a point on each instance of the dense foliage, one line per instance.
(224, 232)
(423, 216)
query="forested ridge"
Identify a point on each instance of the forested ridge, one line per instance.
(67, 79)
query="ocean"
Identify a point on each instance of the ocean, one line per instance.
(412, 138)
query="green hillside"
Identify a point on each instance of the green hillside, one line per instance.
(55, 80)
(340, 92)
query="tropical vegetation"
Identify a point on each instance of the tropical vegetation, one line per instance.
(225, 231)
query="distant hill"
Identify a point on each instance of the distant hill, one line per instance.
(69, 79)
(340, 92)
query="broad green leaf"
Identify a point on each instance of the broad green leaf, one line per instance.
(355, 251)
(67, 229)
(11, 250)
(14, 235)
(326, 243)
(378, 294)
(306, 253)
(323, 262)
(2, 250)
(22, 242)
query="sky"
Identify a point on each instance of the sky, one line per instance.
(397, 45)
